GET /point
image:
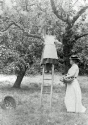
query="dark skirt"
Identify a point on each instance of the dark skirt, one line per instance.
(49, 61)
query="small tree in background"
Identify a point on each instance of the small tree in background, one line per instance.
(22, 44)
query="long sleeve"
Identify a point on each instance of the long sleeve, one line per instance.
(56, 41)
(73, 71)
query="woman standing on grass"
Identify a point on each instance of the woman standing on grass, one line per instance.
(73, 96)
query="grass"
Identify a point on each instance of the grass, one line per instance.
(28, 111)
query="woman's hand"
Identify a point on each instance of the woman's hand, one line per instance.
(62, 78)
(67, 76)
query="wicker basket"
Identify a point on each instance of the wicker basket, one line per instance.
(68, 80)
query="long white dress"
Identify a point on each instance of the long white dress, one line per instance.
(73, 97)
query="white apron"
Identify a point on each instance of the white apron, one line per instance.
(49, 48)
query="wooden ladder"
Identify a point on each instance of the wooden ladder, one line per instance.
(47, 86)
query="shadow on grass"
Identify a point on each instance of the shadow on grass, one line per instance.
(32, 87)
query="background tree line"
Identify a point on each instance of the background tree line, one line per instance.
(22, 25)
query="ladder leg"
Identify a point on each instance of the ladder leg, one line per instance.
(52, 86)
(42, 86)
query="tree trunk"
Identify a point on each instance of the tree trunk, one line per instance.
(67, 64)
(18, 81)
(67, 53)
(68, 44)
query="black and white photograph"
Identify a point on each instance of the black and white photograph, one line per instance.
(43, 62)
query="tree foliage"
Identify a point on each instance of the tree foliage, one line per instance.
(23, 23)
(73, 28)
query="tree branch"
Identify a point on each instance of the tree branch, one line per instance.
(12, 23)
(6, 28)
(21, 28)
(79, 14)
(40, 8)
(56, 12)
(27, 4)
(80, 36)
(75, 3)
(34, 36)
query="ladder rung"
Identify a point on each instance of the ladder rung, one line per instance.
(46, 93)
(46, 85)
(46, 89)
(47, 79)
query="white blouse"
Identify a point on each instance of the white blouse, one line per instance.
(74, 70)
(49, 39)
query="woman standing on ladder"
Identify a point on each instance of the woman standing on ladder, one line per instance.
(49, 55)
(49, 58)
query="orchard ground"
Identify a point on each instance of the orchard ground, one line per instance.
(28, 111)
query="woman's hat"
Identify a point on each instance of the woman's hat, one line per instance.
(74, 57)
